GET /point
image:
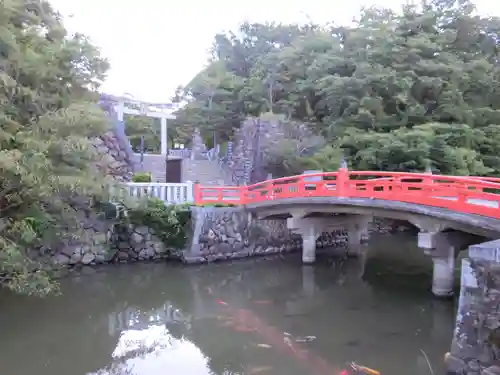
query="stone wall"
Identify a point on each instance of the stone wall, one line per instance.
(223, 233)
(476, 343)
(89, 242)
(257, 139)
(114, 160)
(114, 244)
(218, 233)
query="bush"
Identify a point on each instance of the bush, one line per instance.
(170, 222)
(142, 177)
(47, 158)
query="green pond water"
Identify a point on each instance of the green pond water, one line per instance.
(259, 316)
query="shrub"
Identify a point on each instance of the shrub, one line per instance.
(142, 177)
(170, 222)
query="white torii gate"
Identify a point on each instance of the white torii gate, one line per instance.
(148, 110)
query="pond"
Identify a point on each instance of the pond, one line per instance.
(258, 316)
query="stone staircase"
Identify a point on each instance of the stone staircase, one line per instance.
(153, 163)
(206, 172)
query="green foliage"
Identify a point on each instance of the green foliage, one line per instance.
(47, 120)
(142, 177)
(170, 222)
(147, 127)
(395, 91)
(326, 159)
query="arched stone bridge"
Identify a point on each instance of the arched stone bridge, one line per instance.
(452, 213)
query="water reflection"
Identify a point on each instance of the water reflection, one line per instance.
(151, 351)
(134, 318)
(252, 317)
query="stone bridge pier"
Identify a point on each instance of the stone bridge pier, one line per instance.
(435, 238)
(310, 228)
(443, 248)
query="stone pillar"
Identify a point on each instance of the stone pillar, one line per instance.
(309, 237)
(442, 247)
(309, 229)
(120, 110)
(357, 233)
(475, 347)
(443, 273)
(164, 136)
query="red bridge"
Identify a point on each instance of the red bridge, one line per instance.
(470, 195)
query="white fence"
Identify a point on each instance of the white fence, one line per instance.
(168, 192)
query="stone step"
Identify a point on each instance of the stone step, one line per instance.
(205, 172)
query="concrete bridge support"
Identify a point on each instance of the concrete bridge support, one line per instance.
(357, 233)
(311, 228)
(310, 233)
(443, 247)
(476, 343)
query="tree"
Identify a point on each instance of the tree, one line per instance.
(395, 91)
(137, 127)
(47, 120)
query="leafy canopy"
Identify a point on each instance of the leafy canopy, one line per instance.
(397, 91)
(47, 119)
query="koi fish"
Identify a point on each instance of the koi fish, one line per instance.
(364, 369)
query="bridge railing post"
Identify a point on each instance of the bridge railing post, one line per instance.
(342, 183)
(190, 192)
(197, 193)
(243, 194)
(270, 190)
(427, 181)
(462, 192)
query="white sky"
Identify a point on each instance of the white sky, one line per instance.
(155, 45)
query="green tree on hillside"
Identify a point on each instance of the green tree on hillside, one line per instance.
(395, 91)
(47, 83)
(147, 127)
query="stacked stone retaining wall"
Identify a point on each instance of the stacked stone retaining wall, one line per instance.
(223, 233)
(476, 344)
(218, 233)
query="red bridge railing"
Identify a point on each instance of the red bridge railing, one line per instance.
(473, 195)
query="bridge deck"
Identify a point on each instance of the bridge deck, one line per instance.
(478, 202)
